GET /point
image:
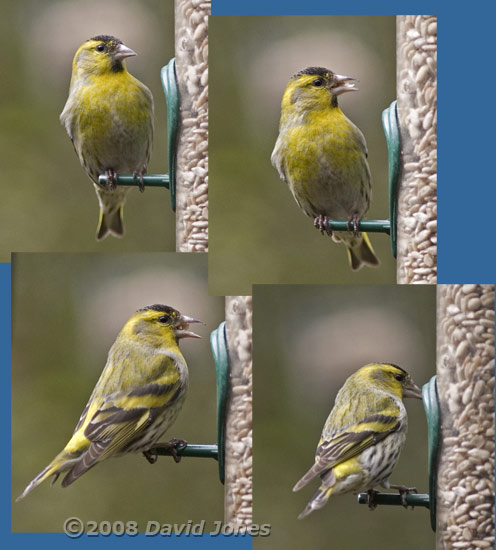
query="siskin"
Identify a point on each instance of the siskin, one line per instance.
(109, 118)
(322, 156)
(363, 436)
(137, 398)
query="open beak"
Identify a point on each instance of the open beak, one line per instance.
(121, 52)
(412, 390)
(182, 329)
(341, 84)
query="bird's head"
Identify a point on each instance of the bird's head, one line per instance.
(391, 378)
(316, 88)
(160, 324)
(101, 55)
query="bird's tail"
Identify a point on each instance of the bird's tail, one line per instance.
(62, 462)
(360, 252)
(110, 223)
(111, 211)
(318, 500)
(314, 471)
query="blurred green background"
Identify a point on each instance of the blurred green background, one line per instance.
(48, 202)
(67, 312)
(257, 232)
(307, 341)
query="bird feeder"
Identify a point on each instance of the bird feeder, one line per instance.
(417, 113)
(191, 38)
(465, 373)
(238, 486)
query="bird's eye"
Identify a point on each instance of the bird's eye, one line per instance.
(163, 319)
(400, 377)
(318, 82)
(100, 48)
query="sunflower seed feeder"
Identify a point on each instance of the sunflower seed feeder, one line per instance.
(416, 37)
(465, 375)
(238, 458)
(191, 46)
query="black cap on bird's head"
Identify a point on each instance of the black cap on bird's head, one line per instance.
(106, 38)
(315, 71)
(336, 83)
(159, 307)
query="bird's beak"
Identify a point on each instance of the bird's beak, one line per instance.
(341, 84)
(121, 52)
(412, 390)
(182, 329)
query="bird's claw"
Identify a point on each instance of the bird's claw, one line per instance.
(173, 445)
(404, 491)
(151, 456)
(353, 223)
(371, 503)
(111, 179)
(322, 224)
(169, 447)
(141, 184)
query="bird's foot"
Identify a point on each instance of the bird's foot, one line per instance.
(141, 184)
(151, 455)
(321, 223)
(111, 179)
(169, 447)
(404, 490)
(372, 504)
(353, 225)
(172, 447)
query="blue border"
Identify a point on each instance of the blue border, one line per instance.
(55, 541)
(5, 351)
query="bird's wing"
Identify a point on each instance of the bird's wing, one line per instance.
(348, 443)
(146, 105)
(277, 159)
(360, 139)
(121, 419)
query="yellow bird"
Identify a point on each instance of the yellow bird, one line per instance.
(109, 118)
(322, 156)
(363, 436)
(137, 398)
